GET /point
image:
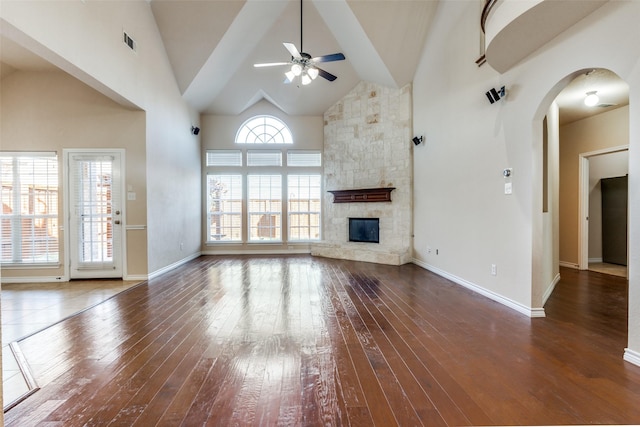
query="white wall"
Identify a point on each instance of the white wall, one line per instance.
(460, 209)
(85, 39)
(550, 264)
(460, 205)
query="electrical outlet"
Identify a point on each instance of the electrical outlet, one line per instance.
(494, 269)
(428, 249)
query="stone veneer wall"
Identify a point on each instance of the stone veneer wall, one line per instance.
(367, 144)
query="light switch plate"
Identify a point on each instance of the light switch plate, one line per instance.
(508, 189)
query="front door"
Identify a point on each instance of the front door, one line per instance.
(95, 214)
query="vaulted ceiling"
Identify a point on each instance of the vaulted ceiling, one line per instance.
(212, 46)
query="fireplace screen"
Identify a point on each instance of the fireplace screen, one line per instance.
(364, 230)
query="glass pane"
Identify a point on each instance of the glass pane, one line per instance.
(264, 158)
(304, 158)
(304, 207)
(224, 158)
(94, 205)
(264, 130)
(224, 208)
(265, 207)
(29, 230)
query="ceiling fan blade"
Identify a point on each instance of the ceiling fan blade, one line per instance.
(270, 64)
(292, 50)
(326, 75)
(329, 58)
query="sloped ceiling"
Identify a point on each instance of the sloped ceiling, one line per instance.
(213, 44)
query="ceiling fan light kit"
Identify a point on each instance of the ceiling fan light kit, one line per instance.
(304, 65)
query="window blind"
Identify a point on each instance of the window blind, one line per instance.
(29, 231)
(224, 158)
(264, 158)
(304, 158)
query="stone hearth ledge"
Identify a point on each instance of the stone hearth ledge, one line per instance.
(365, 252)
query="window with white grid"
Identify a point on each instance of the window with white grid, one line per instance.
(29, 231)
(264, 208)
(224, 208)
(303, 207)
(264, 130)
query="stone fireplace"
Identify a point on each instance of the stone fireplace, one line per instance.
(368, 174)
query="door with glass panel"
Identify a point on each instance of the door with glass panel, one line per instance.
(95, 214)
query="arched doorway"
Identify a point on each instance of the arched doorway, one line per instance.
(587, 132)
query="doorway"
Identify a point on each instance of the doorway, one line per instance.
(603, 232)
(94, 203)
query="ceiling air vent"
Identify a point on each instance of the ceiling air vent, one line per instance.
(129, 42)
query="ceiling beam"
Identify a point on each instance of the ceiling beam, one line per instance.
(247, 29)
(354, 42)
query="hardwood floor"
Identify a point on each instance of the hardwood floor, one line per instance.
(30, 307)
(312, 341)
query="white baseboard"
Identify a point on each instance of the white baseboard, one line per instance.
(595, 260)
(514, 305)
(304, 251)
(35, 279)
(569, 265)
(138, 277)
(550, 289)
(174, 265)
(632, 356)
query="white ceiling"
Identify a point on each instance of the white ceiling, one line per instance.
(611, 89)
(213, 44)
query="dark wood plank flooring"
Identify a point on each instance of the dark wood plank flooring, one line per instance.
(304, 341)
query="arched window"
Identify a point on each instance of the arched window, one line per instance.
(264, 130)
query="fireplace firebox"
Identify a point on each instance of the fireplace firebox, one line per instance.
(365, 230)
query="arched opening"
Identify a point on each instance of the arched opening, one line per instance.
(580, 138)
(595, 135)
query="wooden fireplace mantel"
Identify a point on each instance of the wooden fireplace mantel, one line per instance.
(362, 195)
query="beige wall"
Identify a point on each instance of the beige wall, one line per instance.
(85, 40)
(52, 111)
(610, 129)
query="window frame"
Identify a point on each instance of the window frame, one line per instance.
(277, 127)
(232, 201)
(304, 166)
(278, 226)
(308, 212)
(50, 219)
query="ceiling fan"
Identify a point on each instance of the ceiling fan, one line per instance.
(302, 64)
